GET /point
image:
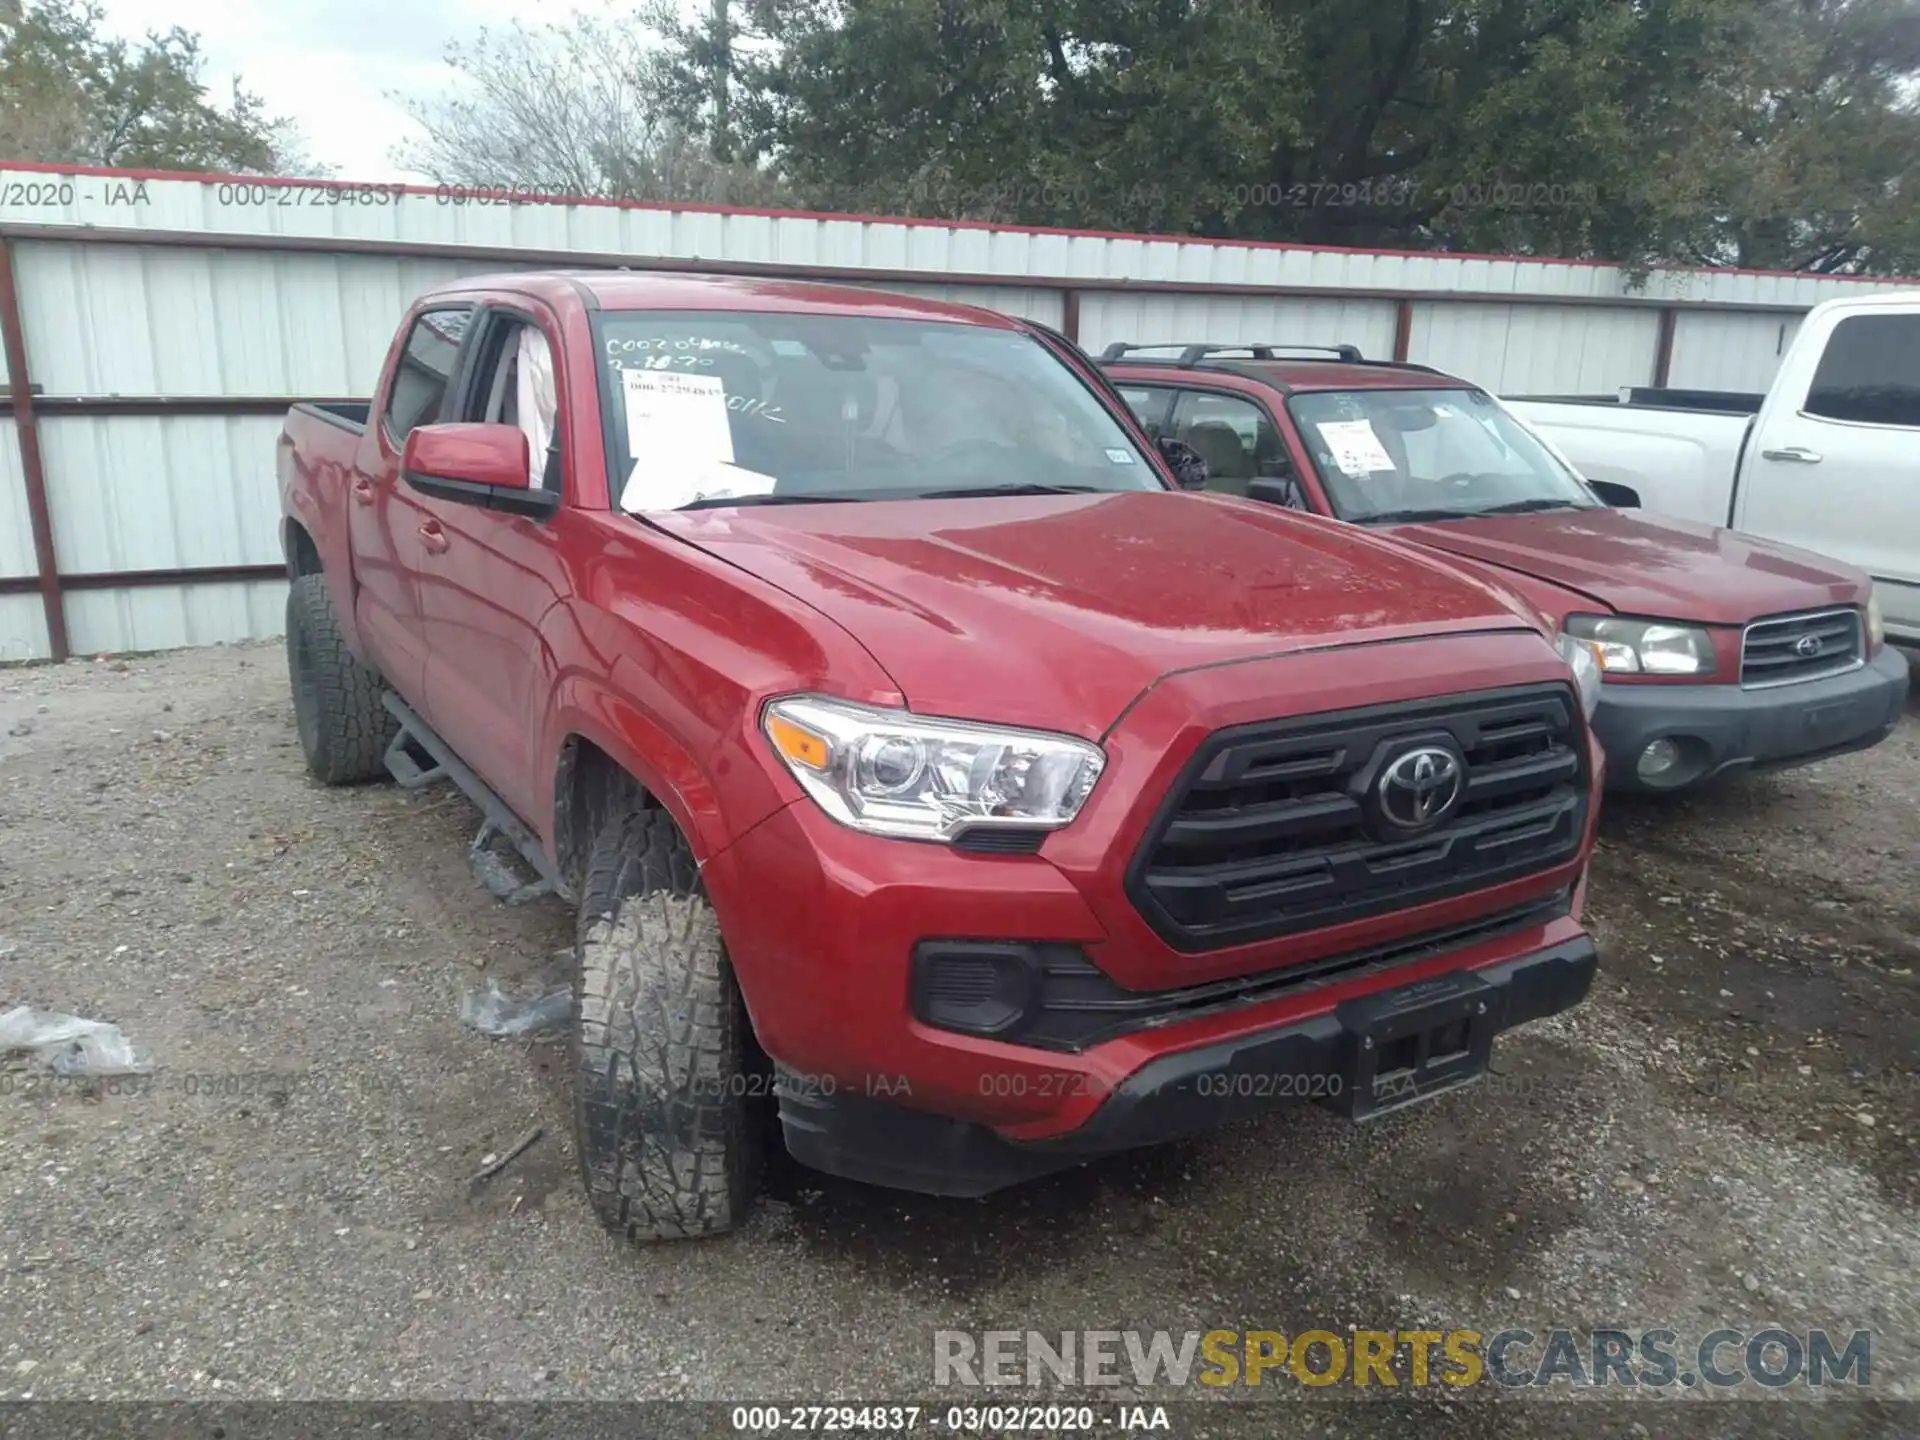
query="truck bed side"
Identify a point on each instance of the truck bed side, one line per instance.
(315, 461)
(1679, 462)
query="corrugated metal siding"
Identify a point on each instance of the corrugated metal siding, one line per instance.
(1046, 306)
(16, 527)
(169, 617)
(121, 320)
(1538, 350)
(1235, 320)
(23, 623)
(600, 229)
(1719, 350)
(139, 492)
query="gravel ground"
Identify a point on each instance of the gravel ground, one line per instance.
(1727, 1133)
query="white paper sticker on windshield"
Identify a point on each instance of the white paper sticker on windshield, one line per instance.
(1120, 457)
(648, 489)
(1355, 447)
(674, 414)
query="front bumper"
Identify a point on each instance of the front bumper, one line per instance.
(1721, 728)
(1331, 1057)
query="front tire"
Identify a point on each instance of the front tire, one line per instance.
(344, 726)
(664, 1121)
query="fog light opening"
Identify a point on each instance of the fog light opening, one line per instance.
(1658, 761)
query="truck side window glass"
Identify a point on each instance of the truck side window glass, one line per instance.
(1870, 372)
(426, 364)
(1149, 405)
(1234, 435)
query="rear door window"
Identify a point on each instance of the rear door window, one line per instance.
(1870, 373)
(426, 364)
(1149, 404)
(1236, 438)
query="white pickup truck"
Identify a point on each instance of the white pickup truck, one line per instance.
(1828, 459)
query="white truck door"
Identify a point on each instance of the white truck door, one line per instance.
(1833, 463)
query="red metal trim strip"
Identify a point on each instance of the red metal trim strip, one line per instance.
(53, 407)
(132, 579)
(27, 435)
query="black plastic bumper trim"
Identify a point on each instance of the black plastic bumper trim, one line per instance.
(859, 1136)
(1734, 728)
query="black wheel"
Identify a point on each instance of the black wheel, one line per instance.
(344, 729)
(667, 1104)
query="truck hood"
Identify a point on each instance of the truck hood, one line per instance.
(1057, 611)
(1647, 565)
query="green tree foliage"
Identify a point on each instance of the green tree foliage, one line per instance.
(1758, 132)
(68, 95)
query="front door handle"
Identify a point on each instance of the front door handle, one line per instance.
(1794, 454)
(433, 538)
(363, 490)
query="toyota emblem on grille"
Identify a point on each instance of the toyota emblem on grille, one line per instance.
(1807, 646)
(1420, 788)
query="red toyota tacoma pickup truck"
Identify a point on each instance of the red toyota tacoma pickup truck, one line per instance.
(922, 762)
(1721, 652)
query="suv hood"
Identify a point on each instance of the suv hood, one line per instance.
(1649, 565)
(1057, 611)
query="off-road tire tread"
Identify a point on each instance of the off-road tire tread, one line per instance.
(663, 1118)
(354, 728)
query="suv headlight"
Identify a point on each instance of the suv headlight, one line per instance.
(890, 772)
(1649, 647)
(1876, 625)
(1586, 670)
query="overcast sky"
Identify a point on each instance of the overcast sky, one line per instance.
(329, 65)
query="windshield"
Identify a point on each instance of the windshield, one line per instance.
(745, 408)
(1401, 455)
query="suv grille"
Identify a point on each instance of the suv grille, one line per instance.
(1288, 825)
(1801, 647)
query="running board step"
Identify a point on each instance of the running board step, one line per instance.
(419, 757)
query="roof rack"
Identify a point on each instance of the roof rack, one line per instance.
(1191, 355)
(1203, 357)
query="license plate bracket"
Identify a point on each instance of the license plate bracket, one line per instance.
(1409, 1044)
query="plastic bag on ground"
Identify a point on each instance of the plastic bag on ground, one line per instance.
(70, 1045)
(493, 1011)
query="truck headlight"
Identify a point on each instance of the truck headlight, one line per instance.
(1649, 647)
(1876, 624)
(1586, 670)
(890, 772)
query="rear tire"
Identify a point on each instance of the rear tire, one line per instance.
(667, 1129)
(344, 727)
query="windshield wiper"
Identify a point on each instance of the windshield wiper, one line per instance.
(1529, 507)
(967, 492)
(1410, 517)
(796, 497)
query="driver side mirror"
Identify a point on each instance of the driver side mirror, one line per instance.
(1619, 497)
(481, 465)
(1284, 491)
(1189, 466)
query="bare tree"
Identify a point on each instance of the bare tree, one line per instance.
(581, 108)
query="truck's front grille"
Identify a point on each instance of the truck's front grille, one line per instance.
(1792, 648)
(1298, 824)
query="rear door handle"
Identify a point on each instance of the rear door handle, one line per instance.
(363, 491)
(433, 538)
(1795, 454)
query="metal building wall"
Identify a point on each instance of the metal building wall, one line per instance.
(1236, 320)
(165, 321)
(1520, 349)
(1725, 350)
